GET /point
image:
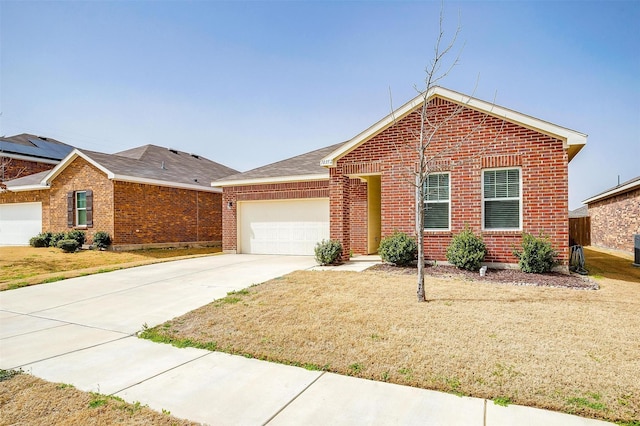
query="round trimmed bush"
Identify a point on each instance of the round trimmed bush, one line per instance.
(68, 246)
(328, 251)
(398, 249)
(466, 251)
(537, 256)
(55, 238)
(79, 236)
(38, 241)
(101, 239)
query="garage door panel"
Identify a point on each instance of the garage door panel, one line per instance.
(19, 222)
(283, 227)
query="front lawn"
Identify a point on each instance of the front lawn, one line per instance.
(22, 266)
(575, 351)
(28, 400)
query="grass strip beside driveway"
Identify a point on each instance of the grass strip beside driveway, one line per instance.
(566, 350)
(24, 266)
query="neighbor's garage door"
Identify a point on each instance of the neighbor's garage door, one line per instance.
(19, 222)
(282, 227)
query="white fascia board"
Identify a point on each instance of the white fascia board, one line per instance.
(68, 160)
(568, 136)
(28, 158)
(133, 179)
(23, 188)
(612, 192)
(264, 181)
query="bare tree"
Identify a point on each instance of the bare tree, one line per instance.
(7, 172)
(432, 123)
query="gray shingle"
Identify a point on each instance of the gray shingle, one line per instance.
(300, 165)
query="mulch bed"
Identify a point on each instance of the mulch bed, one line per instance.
(496, 276)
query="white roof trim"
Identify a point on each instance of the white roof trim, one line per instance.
(268, 180)
(68, 160)
(28, 158)
(613, 191)
(22, 188)
(132, 179)
(568, 136)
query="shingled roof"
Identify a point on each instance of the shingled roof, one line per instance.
(146, 164)
(37, 147)
(301, 167)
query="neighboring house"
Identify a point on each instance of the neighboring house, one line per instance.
(508, 178)
(26, 154)
(144, 196)
(582, 211)
(615, 216)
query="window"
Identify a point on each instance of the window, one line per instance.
(501, 199)
(80, 208)
(436, 202)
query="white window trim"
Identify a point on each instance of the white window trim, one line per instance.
(75, 201)
(448, 228)
(520, 219)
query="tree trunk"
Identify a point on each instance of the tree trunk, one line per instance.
(420, 235)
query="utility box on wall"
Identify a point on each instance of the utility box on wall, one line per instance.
(636, 250)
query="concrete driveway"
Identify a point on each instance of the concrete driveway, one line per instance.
(81, 331)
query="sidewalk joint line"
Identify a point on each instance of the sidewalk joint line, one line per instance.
(293, 399)
(161, 373)
(484, 414)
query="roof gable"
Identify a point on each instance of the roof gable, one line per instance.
(573, 141)
(154, 165)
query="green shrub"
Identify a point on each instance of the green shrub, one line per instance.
(328, 251)
(537, 255)
(466, 250)
(38, 241)
(58, 236)
(398, 249)
(79, 236)
(68, 245)
(101, 239)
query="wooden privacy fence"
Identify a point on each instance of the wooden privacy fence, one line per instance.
(580, 231)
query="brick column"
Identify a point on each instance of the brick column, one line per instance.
(339, 209)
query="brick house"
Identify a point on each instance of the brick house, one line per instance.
(615, 216)
(25, 154)
(144, 196)
(508, 177)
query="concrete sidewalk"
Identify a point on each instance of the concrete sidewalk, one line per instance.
(82, 332)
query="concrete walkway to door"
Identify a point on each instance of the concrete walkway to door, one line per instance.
(81, 331)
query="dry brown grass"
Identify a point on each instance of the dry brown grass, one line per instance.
(575, 351)
(28, 400)
(22, 266)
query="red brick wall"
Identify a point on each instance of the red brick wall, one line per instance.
(14, 168)
(281, 191)
(358, 212)
(615, 220)
(146, 214)
(493, 143)
(80, 175)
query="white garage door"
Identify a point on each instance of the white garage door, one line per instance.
(19, 222)
(282, 227)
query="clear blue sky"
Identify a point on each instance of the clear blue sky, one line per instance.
(249, 83)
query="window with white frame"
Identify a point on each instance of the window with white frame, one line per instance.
(502, 199)
(81, 208)
(437, 202)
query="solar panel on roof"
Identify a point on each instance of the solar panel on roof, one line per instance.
(42, 149)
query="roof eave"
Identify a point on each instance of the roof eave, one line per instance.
(612, 192)
(156, 182)
(24, 188)
(268, 180)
